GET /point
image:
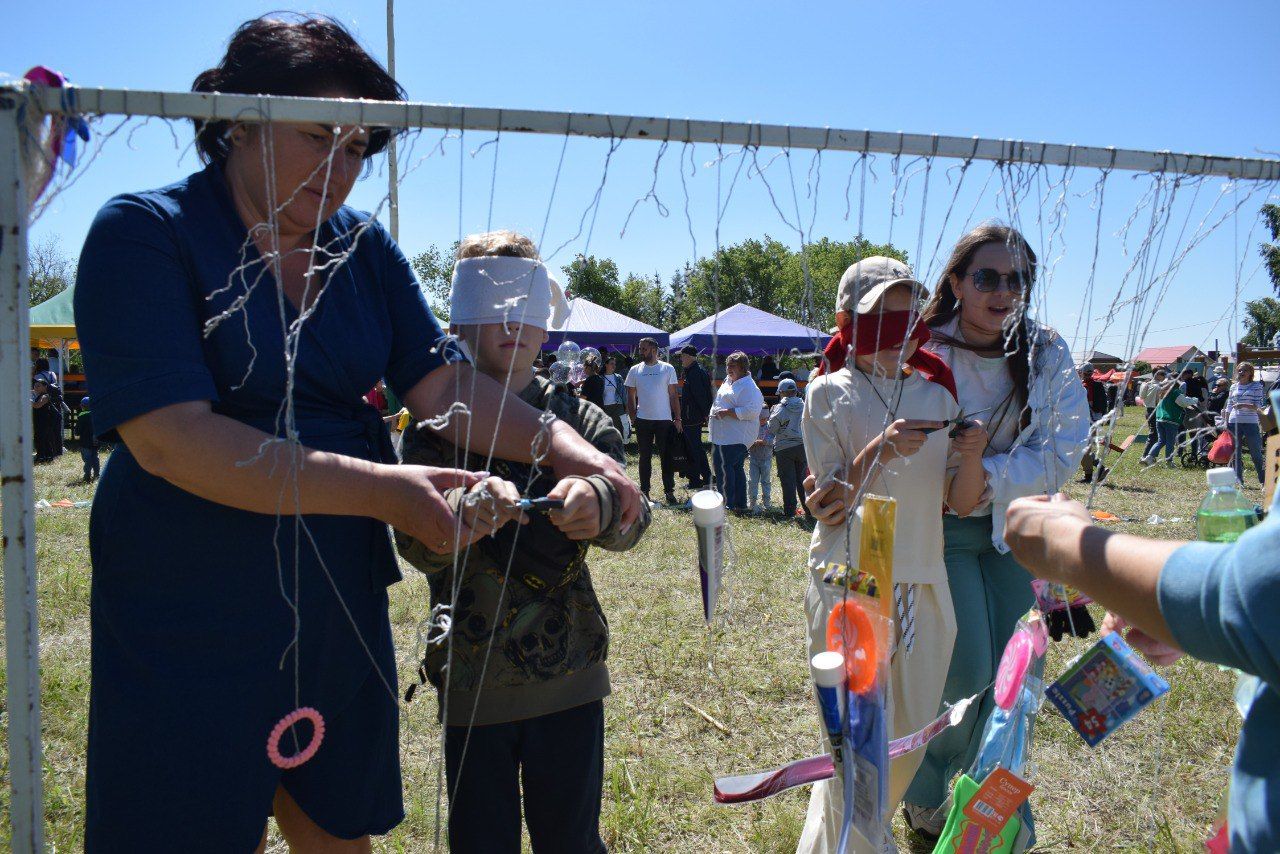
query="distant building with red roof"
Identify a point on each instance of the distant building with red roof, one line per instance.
(1163, 357)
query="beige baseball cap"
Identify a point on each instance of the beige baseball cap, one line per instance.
(864, 283)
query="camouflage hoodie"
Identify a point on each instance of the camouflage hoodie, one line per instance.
(526, 601)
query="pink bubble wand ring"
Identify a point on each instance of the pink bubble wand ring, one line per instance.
(317, 736)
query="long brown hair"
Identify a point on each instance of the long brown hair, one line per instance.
(943, 306)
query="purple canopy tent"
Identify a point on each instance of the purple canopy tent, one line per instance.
(754, 332)
(592, 325)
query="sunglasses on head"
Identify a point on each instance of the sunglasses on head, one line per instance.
(987, 280)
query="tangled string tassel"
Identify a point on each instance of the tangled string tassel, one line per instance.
(317, 736)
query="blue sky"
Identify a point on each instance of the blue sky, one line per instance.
(1170, 75)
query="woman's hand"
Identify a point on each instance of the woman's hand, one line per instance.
(971, 440)
(1034, 526)
(826, 503)
(579, 519)
(412, 502)
(905, 437)
(1157, 651)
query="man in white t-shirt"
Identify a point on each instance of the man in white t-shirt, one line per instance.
(654, 406)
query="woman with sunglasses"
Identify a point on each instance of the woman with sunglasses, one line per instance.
(1019, 379)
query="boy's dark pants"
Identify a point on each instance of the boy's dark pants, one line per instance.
(791, 471)
(92, 466)
(559, 759)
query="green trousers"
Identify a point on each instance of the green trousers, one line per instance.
(990, 592)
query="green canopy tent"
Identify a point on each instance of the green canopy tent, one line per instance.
(53, 322)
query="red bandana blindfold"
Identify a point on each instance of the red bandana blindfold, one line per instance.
(885, 331)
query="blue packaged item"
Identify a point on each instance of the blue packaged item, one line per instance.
(1105, 687)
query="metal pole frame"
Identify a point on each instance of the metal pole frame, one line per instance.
(16, 482)
(393, 164)
(22, 642)
(212, 106)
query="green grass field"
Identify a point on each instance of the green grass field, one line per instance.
(1154, 785)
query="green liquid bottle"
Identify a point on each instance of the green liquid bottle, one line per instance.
(1224, 514)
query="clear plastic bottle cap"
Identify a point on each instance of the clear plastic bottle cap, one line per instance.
(1221, 477)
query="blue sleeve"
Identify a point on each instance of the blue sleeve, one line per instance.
(416, 345)
(137, 316)
(1221, 601)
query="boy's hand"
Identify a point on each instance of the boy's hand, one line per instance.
(1157, 651)
(580, 517)
(490, 504)
(906, 436)
(1034, 525)
(826, 503)
(758, 443)
(971, 440)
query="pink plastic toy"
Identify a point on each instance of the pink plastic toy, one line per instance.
(1013, 669)
(317, 736)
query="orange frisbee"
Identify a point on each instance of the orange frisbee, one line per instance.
(850, 633)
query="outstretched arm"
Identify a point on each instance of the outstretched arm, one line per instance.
(1055, 539)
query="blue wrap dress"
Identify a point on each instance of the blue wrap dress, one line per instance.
(197, 648)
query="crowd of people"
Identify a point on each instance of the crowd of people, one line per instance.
(210, 616)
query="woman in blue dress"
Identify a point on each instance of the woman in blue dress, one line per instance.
(239, 575)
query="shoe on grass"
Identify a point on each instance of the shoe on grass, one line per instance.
(925, 822)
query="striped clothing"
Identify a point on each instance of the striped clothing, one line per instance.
(1251, 393)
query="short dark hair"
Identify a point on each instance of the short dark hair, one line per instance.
(303, 55)
(648, 340)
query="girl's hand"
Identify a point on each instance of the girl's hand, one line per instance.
(1034, 525)
(971, 440)
(825, 503)
(905, 437)
(579, 519)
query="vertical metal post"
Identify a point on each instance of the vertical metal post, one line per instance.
(393, 168)
(18, 534)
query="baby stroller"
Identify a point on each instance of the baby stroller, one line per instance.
(1199, 428)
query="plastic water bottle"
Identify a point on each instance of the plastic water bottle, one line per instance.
(1224, 514)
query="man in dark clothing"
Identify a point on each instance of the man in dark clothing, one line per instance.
(1195, 383)
(695, 406)
(88, 442)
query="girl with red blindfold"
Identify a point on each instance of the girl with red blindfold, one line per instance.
(875, 421)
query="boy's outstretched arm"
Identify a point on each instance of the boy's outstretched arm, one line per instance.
(902, 438)
(1055, 539)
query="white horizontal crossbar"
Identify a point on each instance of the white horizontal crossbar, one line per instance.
(200, 105)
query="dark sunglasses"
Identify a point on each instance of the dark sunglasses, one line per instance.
(987, 280)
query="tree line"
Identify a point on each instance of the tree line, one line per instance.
(764, 273)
